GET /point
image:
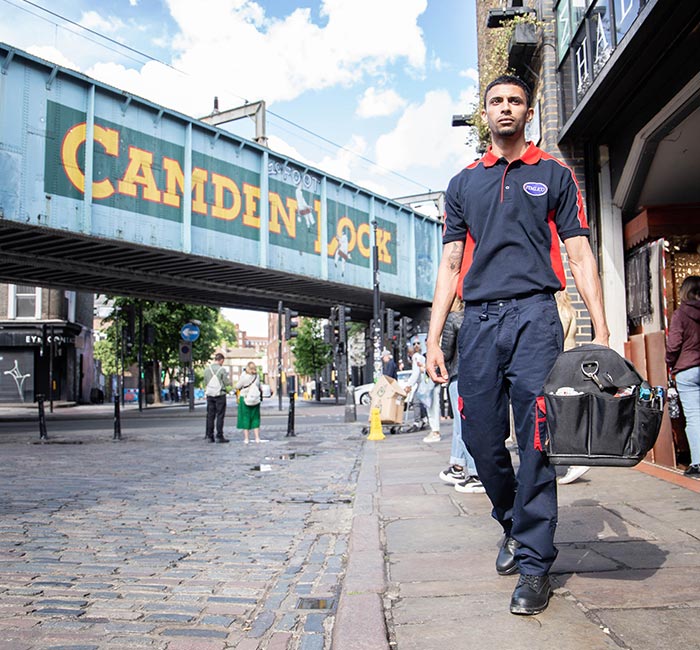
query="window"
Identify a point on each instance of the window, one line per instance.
(601, 35)
(563, 28)
(578, 11)
(25, 301)
(625, 13)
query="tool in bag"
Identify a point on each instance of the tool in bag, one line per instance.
(597, 410)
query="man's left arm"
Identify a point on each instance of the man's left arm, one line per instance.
(585, 271)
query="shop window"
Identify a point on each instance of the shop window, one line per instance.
(625, 13)
(578, 11)
(566, 88)
(600, 35)
(638, 286)
(564, 31)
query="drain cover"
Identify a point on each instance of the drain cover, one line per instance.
(315, 603)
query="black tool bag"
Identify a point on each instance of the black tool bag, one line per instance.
(592, 411)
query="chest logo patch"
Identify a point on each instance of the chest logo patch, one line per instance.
(535, 189)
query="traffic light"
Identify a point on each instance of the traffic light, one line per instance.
(290, 323)
(328, 334)
(392, 324)
(334, 326)
(407, 328)
(149, 334)
(343, 320)
(129, 316)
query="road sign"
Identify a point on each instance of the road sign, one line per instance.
(185, 351)
(189, 332)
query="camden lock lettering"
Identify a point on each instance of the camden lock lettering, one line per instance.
(144, 173)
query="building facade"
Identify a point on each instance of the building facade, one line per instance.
(45, 344)
(618, 99)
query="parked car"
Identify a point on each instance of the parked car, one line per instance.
(362, 393)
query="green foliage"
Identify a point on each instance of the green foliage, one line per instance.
(167, 318)
(496, 64)
(311, 354)
(105, 352)
(226, 331)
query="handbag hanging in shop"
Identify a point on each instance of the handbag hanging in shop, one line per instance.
(597, 410)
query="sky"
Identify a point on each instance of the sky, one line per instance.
(361, 89)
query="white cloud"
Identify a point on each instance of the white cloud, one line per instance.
(230, 48)
(133, 3)
(379, 103)
(279, 59)
(50, 53)
(470, 73)
(425, 142)
(345, 161)
(93, 20)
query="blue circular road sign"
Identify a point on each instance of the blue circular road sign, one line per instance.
(189, 332)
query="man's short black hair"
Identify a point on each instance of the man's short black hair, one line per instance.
(510, 80)
(219, 357)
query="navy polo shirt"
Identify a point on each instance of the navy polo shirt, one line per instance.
(510, 217)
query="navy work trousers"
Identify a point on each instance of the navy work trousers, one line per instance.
(506, 350)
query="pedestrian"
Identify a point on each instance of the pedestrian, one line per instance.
(249, 399)
(427, 393)
(389, 367)
(567, 316)
(504, 217)
(420, 413)
(460, 459)
(216, 384)
(683, 360)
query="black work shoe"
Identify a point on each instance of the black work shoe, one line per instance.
(531, 595)
(222, 439)
(505, 562)
(209, 438)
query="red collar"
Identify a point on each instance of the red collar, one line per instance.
(531, 156)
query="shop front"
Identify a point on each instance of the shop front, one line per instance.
(38, 359)
(629, 100)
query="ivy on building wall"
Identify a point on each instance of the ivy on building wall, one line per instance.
(494, 65)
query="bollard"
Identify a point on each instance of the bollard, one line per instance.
(290, 417)
(42, 418)
(117, 420)
(350, 408)
(375, 426)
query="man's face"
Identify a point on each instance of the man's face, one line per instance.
(506, 110)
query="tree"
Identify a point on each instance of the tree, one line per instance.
(167, 318)
(311, 353)
(226, 331)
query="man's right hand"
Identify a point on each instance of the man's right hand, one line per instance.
(435, 364)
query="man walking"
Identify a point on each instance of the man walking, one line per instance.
(505, 215)
(389, 367)
(216, 383)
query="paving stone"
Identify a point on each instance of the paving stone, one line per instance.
(58, 611)
(314, 622)
(311, 642)
(194, 632)
(261, 624)
(196, 644)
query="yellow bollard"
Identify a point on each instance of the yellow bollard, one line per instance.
(375, 426)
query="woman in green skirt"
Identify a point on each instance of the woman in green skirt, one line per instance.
(249, 398)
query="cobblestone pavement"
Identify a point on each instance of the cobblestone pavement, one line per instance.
(163, 541)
